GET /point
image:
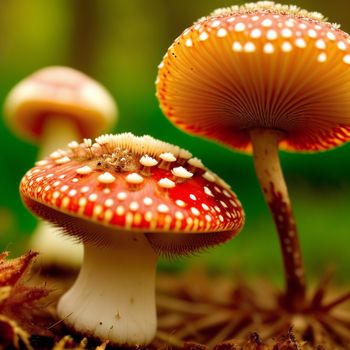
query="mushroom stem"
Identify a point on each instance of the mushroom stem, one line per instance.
(114, 295)
(57, 132)
(268, 169)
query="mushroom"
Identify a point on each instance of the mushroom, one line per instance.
(262, 77)
(52, 107)
(125, 218)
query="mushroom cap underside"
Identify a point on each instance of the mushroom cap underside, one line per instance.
(59, 92)
(259, 68)
(110, 187)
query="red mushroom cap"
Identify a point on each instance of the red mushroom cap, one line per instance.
(59, 91)
(261, 65)
(118, 183)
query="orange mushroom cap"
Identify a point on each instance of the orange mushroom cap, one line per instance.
(260, 65)
(59, 91)
(120, 182)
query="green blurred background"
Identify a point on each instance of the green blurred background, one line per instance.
(120, 43)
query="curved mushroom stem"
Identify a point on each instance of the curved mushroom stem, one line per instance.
(54, 249)
(114, 295)
(270, 175)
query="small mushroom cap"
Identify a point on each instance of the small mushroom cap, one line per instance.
(260, 65)
(61, 92)
(100, 187)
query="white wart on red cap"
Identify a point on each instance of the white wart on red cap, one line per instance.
(260, 65)
(107, 185)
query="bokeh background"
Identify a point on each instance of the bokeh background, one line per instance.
(120, 43)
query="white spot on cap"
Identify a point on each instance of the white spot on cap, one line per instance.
(341, 45)
(193, 197)
(56, 155)
(204, 206)
(134, 206)
(109, 202)
(208, 218)
(134, 178)
(222, 32)
(168, 157)
(203, 36)
(189, 42)
(195, 211)
(271, 34)
(320, 44)
(346, 59)
(266, 22)
(85, 189)
(62, 160)
(121, 196)
(180, 203)
(64, 188)
(255, 33)
(223, 204)
(87, 143)
(237, 46)
(147, 201)
(331, 36)
(106, 178)
(179, 215)
(148, 161)
(185, 154)
(300, 42)
(240, 27)
(84, 170)
(163, 208)
(209, 176)
(227, 193)
(269, 48)
(312, 33)
(92, 197)
(120, 210)
(286, 33)
(249, 47)
(181, 172)
(287, 47)
(208, 192)
(255, 18)
(72, 193)
(42, 162)
(73, 145)
(196, 163)
(322, 57)
(215, 24)
(166, 183)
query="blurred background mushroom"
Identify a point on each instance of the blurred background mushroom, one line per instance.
(53, 107)
(90, 36)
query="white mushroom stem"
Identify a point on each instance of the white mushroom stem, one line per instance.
(268, 169)
(55, 249)
(114, 295)
(57, 132)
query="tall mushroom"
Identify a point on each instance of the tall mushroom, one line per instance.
(52, 107)
(262, 77)
(126, 208)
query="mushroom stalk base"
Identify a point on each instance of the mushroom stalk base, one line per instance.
(114, 295)
(55, 250)
(270, 175)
